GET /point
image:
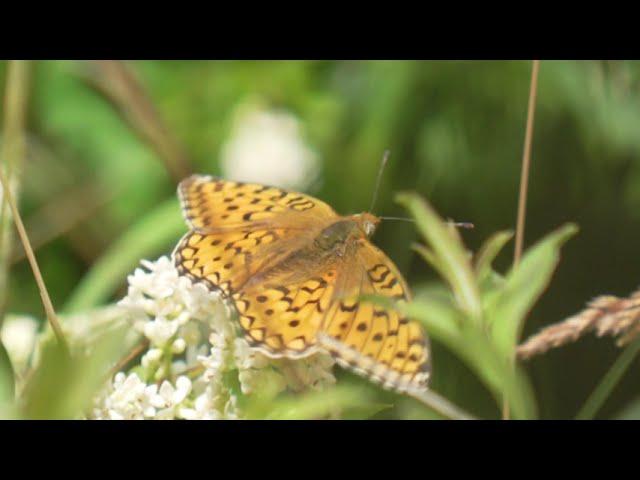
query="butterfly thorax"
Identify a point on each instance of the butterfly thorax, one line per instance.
(338, 235)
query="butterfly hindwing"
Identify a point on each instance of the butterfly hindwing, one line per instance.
(283, 321)
(377, 341)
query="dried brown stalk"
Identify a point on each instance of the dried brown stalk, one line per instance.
(119, 84)
(62, 214)
(606, 315)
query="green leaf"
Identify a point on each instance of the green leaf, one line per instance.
(523, 286)
(363, 412)
(440, 318)
(7, 378)
(431, 259)
(317, 405)
(449, 251)
(488, 253)
(497, 372)
(63, 385)
(150, 236)
(630, 412)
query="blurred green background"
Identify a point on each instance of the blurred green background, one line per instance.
(98, 165)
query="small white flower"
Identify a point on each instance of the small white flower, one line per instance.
(213, 363)
(183, 388)
(151, 358)
(18, 336)
(266, 146)
(178, 345)
(190, 331)
(247, 357)
(204, 408)
(160, 330)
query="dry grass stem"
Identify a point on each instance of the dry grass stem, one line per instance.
(124, 361)
(524, 182)
(115, 80)
(44, 293)
(61, 215)
(11, 156)
(606, 315)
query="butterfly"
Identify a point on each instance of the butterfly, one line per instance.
(295, 271)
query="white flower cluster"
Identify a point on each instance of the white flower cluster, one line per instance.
(193, 350)
(284, 159)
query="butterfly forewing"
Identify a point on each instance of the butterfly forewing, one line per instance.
(212, 203)
(295, 295)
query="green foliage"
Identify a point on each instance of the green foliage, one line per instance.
(342, 401)
(7, 380)
(63, 385)
(608, 383)
(481, 320)
(124, 255)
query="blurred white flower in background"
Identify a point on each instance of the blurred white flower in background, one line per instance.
(193, 348)
(18, 336)
(266, 146)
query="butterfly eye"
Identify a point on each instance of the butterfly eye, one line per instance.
(369, 228)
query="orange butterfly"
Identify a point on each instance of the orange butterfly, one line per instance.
(295, 271)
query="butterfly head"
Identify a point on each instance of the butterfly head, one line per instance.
(367, 222)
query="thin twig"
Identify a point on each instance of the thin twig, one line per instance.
(60, 215)
(137, 350)
(44, 294)
(524, 184)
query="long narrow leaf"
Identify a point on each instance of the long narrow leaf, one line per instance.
(450, 252)
(152, 235)
(523, 286)
(7, 379)
(488, 252)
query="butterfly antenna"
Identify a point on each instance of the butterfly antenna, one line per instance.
(398, 218)
(385, 158)
(465, 225)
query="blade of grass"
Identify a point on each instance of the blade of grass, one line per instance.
(440, 405)
(15, 91)
(24, 239)
(7, 378)
(526, 162)
(119, 84)
(60, 215)
(607, 384)
(524, 181)
(160, 228)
